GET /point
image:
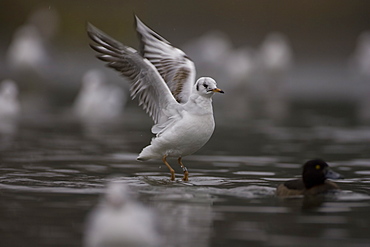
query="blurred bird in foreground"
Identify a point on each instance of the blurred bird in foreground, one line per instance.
(119, 220)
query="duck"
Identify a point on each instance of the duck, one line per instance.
(313, 182)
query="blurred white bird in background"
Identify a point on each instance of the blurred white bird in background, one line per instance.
(275, 54)
(9, 103)
(360, 59)
(209, 51)
(30, 60)
(27, 51)
(240, 64)
(359, 63)
(9, 107)
(98, 100)
(29, 47)
(119, 220)
(274, 62)
(239, 73)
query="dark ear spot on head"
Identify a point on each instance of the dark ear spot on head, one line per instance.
(197, 87)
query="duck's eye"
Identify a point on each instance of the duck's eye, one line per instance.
(318, 167)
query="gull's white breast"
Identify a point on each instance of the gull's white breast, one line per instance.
(184, 137)
(191, 133)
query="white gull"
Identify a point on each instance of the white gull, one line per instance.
(162, 78)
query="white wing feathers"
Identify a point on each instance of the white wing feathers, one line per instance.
(173, 65)
(146, 83)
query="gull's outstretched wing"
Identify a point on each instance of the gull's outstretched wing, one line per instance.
(146, 83)
(173, 65)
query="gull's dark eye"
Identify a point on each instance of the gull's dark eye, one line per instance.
(205, 85)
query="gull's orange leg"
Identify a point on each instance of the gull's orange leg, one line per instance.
(186, 173)
(164, 159)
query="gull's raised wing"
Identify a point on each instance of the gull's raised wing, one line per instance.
(146, 83)
(173, 65)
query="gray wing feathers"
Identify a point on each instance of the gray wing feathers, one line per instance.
(146, 83)
(177, 70)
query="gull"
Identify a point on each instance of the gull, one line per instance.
(119, 220)
(162, 78)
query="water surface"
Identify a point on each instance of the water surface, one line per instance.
(53, 170)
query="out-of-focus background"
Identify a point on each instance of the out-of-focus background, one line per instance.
(322, 50)
(296, 76)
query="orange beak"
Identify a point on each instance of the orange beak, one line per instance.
(217, 90)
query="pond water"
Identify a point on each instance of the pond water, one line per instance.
(53, 170)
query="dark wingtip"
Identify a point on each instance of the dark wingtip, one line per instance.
(139, 35)
(90, 28)
(136, 19)
(92, 31)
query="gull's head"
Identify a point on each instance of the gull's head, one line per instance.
(206, 87)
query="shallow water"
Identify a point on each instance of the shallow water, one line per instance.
(54, 169)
